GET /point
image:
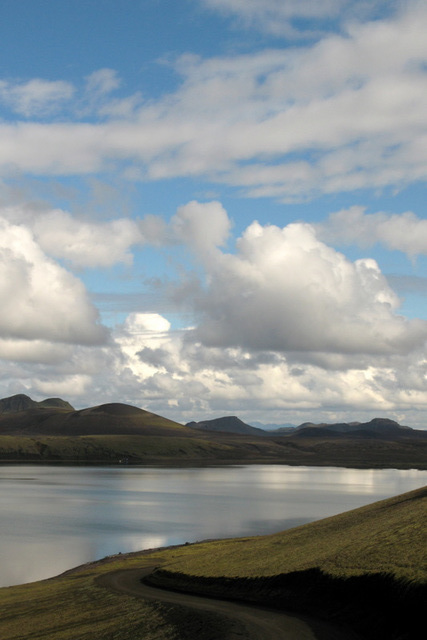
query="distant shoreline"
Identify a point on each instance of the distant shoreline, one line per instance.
(177, 463)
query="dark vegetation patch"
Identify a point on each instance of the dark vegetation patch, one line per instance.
(376, 606)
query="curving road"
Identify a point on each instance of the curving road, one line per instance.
(250, 622)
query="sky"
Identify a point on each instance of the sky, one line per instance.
(216, 207)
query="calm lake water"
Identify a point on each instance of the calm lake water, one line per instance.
(55, 518)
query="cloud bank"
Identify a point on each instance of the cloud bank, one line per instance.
(343, 114)
(282, 324)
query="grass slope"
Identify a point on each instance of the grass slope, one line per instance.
(388, 536)
(108, 449)
(365, 568)
(150, 444)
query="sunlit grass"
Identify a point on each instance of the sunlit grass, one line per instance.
(74, 607)
(107, 448)
(387, 537)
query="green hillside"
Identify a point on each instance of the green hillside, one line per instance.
(365, 568)
(387, 537)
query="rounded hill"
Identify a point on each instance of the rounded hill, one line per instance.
(106, 419)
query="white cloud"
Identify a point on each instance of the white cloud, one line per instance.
(402, 232)
(293, 18)
(86, 244)
(202, 226)
(39, 299)
(60, 387)
(102, 81)
(36, 97)
(286, 291)
(83, 243)
(36, 351)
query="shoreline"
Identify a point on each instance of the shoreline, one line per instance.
(202, 462)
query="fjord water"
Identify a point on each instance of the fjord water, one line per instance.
(55, 518)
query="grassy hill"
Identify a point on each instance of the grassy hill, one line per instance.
(365, 569)
(389, 536)
(106, 419)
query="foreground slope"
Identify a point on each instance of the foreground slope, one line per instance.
(389, 536)
(366, 568)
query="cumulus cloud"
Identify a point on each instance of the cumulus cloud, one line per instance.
(150, 365)
(186, 379)
(287, 291)
(82, 243)
(281, 324)
(39, 299)
(204, 226)
(404, 232)
(86, 244)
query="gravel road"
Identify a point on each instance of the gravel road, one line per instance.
(246, 622)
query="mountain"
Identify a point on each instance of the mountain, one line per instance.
(22, 416)
(55, 402)
(227, 424)
(377, 427)
(21, 402)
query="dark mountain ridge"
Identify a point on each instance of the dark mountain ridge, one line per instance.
(227, 424)
(21, 416)
(377, 427)
(22, 402)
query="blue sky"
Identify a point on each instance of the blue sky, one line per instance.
(215, 207)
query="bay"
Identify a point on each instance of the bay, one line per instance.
(53, 518)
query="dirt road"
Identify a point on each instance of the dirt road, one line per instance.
(248, 622)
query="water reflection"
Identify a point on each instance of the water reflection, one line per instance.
(54, 518)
